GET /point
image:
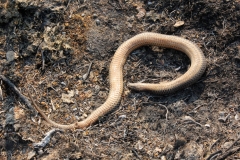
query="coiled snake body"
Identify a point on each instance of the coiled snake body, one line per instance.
(198, 66)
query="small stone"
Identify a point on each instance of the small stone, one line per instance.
(207, 125)
(150, 3)
(163, 158)
(223, 117)
(63, 83)
(97, 89)
(226, 145)
(94, 15)
(123, 116)
(129, 25)
(10, 55)
(77, 117)
(178, 24)
(237, 117)
(84, 115)
(149, 152)
(31, 154)
(17, 127)
(40, 151)
(97, 21)
(178, 68)
(157, 149)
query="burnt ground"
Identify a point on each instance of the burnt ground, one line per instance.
(46, 48)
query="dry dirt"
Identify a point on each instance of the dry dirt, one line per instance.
(47, 46)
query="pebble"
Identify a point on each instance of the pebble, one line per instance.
(84, 115)
(40, 151)
(163, 158)
(226, 145)
(207, 125)
(237, 117)
(63, 83)
(222, 116)
(178, 24)
(10, 55)
(97, 89)
(17, 127)
(94, 15)
(150, 3)
(97, 21)
(31, 154)
(123, 116)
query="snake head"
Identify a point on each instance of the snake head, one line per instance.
(135, 86)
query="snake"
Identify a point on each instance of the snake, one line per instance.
(194, 73)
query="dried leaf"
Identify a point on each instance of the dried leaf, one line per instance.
(153, 16)
(139, 145)
(67, 98)
(141, 10)
(18, 113)
(157, 149)
(141, 13)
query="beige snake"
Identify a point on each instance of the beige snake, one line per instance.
(198, 66)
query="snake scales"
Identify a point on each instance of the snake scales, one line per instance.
(198, 66)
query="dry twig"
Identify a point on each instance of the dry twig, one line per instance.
(20, 95)
(46, 139)
(229, 151)
(166, 110)
(43, 60)
(85, 76)
(214, 155)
